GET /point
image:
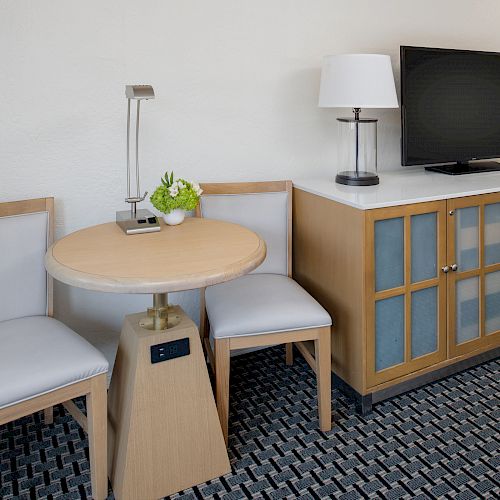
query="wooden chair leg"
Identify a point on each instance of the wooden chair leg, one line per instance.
(97, 433)
(222, 365)
(203, 316)
(289, 354)
(324, 378)
(205, 331)
(48, 415)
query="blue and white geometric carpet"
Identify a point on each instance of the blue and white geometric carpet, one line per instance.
(439, 441)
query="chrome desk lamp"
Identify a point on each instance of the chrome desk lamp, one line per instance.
(135, 221)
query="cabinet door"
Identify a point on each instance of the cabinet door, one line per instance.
(474, 281)
(406, 289)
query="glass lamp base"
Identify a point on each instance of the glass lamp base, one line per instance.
(353, 178)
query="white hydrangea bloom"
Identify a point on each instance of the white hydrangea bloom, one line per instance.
(197, 188)
(173, 190)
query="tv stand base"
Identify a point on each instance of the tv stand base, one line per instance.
(466, 168)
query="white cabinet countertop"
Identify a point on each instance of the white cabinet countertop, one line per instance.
(402, 187)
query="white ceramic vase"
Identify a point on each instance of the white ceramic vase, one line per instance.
(174, 217)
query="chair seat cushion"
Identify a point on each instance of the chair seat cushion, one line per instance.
(39, 354)
(106, 342)
(261, 303)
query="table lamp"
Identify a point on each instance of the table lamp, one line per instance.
(135, 221)
(357, 81)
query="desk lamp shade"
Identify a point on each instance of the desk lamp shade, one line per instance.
(357, 81)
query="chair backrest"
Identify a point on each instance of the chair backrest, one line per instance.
(26, 231)
(263, 207)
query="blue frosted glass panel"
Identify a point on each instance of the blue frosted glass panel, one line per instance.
(389, 253)
(424, 321)
(467, 309)
(492, 233)
(467, 238)
(423, 247)
(389, 332)
(492, 302)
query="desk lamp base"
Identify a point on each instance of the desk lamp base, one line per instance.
(143, 221)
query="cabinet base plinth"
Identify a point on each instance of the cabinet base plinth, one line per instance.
(164, 431)
(437, 374)
(364, 402)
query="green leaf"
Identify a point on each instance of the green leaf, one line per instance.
(165, 180)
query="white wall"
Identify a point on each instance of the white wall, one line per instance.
(236, 84)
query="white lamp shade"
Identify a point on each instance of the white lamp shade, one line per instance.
(357, 81)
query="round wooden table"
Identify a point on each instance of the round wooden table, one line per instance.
(195, 254)
(164, 430)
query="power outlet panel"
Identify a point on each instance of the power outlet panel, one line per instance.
(169, 350)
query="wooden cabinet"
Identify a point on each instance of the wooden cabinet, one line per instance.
(414, 289)
(406, 290)
(474, 281)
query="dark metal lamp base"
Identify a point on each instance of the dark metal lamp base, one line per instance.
(352, 178)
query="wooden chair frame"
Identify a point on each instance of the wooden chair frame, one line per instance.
(220, 359)
(94, 389)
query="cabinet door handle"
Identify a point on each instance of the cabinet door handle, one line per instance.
(454, 267)
(445, 269)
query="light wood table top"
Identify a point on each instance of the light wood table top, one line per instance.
(197, 253)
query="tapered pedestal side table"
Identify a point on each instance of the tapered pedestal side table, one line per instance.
(164, 431)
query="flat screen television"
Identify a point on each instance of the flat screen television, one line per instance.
(450, 109)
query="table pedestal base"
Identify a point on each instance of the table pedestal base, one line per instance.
(164, 431)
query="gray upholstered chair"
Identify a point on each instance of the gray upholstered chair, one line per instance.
(43, 362)
(265, 307)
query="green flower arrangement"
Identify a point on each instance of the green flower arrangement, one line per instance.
(175, 193)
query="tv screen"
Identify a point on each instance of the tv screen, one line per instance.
(450, 105)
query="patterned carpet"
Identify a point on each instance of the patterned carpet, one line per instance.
(440, 441)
